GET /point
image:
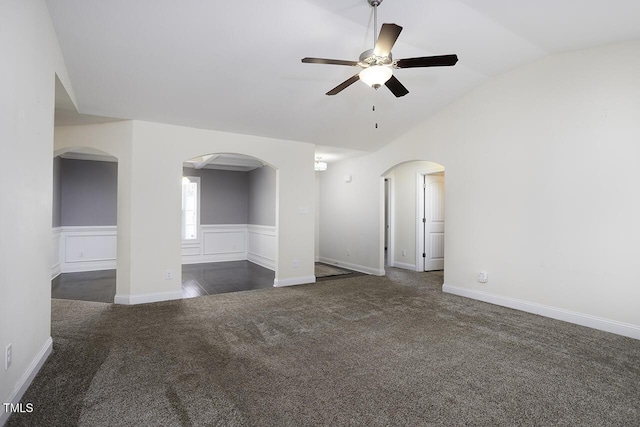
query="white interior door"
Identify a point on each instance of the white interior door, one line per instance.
(433, 222)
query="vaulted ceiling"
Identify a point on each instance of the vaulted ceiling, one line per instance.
(235, 65)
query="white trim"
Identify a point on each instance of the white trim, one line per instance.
(354, 267)
(25, 380)
(261, 253)
(391, 247)
(262, 261)
(92, 234)
(196, 180)
(56, 267)
(91, 265)
(607, 325)
(147, 298)
(222, 257)
(420, 226)
(279, 283)
(406, 266)
(91, 230)
(264, 254)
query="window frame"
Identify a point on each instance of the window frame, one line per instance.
(196, 180)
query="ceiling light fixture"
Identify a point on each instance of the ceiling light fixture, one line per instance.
(320, 166)
(376, 75)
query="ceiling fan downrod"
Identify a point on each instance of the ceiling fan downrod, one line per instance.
(374, 4)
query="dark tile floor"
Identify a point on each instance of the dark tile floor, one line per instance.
(98, 286)
(222, 277)
(197, 280)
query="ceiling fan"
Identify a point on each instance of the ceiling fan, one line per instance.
(377, 64)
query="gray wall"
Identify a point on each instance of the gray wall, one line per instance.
(88, 193)
(262, 196)
(224, 195)
(56, 220)
(85, 194)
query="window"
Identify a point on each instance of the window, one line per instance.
(190, 207)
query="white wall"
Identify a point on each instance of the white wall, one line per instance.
(31, 59)
(114, 139)
(542, 174)
(152, 190)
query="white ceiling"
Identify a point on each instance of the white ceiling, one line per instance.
(235, 65)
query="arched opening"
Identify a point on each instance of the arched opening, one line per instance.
(228, 227)
(413, 212)
(84, 225)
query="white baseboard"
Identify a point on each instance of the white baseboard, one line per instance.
(55, 271)
(146, 298)
(25, 381)
(405, 266)
(294, 281)
(82, 266)
(607, 325)
(354, 267)
(204, 259)
(261, 261)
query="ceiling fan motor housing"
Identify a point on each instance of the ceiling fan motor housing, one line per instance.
(368, 58)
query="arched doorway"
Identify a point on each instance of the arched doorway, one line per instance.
(413, 209)
(84, 224)
(228, 224)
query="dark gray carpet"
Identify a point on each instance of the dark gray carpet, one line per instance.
(356, 351)
(326, 270)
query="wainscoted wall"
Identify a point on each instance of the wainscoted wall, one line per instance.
(55, 252)
(75, 249)
(232, 242)
(83, 248)
(262, 245)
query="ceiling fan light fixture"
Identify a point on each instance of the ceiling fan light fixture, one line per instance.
(376, 75)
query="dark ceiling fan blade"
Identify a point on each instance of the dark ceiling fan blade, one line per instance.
(345, 84)
(428, 61)
(388, 35)
(328, 61)
(396, 87)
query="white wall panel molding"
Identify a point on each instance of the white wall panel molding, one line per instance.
(56, 268)
(232, 242)
(78, 249)
(262, 245)
(216, 243)
(354, 267)
(85, 248)
(607, 325)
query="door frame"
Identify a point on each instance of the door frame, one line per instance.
(420, 214)
(390, 219)
(420, 225)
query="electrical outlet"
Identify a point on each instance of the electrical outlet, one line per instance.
(169, 275)
(404, 252)
(295, 263)
(483, 276)
(8, 356)
(348, 252)
(81, 255)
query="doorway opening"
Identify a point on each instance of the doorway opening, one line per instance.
(413, 210)
(84, 225)
(229, 217)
